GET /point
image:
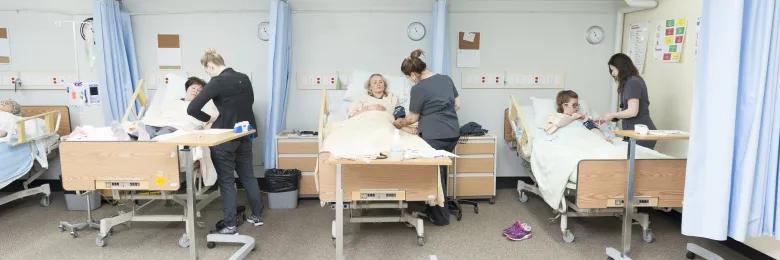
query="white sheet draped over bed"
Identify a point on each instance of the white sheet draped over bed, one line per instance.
(554, 158)
(366, 135)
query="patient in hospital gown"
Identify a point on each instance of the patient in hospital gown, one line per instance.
(173, 115)
(377, 99)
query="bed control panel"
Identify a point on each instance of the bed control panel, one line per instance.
(121, 185)
(378, 195)
(639, 201)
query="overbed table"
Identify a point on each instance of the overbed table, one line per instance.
(632, 136)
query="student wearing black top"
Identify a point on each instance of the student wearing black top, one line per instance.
(433, 102)
(232, 93)
(634, 101)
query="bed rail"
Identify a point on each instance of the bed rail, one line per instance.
(51, 121)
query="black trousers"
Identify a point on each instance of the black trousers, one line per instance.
(236, 157)
(447, 144)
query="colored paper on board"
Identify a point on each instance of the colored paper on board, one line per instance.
(670, 23)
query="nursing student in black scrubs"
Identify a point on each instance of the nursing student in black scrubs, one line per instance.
(433, 103)
(632, 90)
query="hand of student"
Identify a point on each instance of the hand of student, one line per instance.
(398, 123)
(578, 116)
(376, 107)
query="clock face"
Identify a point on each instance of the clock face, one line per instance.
(416, 31)
(263, 31)
(594, 34)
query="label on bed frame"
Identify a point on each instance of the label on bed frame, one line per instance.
(121, 185)
(639, 201)
(378, 195)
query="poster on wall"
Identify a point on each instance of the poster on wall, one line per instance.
(673, 40)
(168, 52)
(5, 47)
(637, 44)
(468, 55)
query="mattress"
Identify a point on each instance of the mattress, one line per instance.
(17, 162)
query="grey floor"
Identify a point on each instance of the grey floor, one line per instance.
(28, 231)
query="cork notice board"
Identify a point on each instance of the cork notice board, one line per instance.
(169, 51)
(5, 47)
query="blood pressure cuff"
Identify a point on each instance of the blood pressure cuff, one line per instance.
(589, 124)
(399, 112)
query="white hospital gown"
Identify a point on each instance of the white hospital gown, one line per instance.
(389, 102)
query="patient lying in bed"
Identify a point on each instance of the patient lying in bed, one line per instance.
(10, 111)
(173, 114)
(568, 112)
(378, 99)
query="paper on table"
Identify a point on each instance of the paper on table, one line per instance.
(666, 132)
(468, 58)
(469, 36)
(5, 49)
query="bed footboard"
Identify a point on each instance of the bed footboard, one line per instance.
(119, 165)
(658, 183)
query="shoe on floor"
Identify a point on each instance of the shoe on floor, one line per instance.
(255, 220)
(518, 231)
(228, 231)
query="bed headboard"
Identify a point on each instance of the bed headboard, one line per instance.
(29, 111)
(516, 118)
(323, 116)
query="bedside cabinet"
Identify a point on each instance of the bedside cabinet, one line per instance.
(299, 152)
(475, 168)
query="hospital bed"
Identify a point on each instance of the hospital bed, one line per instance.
(26, 150)
(146, 171)
(598, 184)
(361, 185)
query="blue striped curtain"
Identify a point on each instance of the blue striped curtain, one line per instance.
(279, 51)
(440, 54)
(117, 68)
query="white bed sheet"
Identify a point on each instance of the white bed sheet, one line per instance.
(554, 159)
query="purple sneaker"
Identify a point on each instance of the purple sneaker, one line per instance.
(521, 231)
(513, 228)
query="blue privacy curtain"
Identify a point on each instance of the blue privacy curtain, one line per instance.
(117, 69)
(440, 55)
(731, 186)
(279, 52)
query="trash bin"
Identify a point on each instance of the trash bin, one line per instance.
(282, 188)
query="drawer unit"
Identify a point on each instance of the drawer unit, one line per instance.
(298, 152)
(475, 168)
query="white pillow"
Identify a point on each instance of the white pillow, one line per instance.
(356, 88)
(543, 107)
(337, 108)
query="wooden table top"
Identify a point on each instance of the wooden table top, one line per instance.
(650, 136)
(210, 137)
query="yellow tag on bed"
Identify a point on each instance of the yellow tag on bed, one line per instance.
(160, 181)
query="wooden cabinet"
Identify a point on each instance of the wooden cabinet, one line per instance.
(475, 168)
(299, 152)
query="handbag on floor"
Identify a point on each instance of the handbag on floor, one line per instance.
(438, 215)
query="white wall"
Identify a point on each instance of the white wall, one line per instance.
(520, 35)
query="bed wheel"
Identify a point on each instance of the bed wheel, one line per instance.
(492, 200)
(568, 236)
(100, 241)
(420, 241)
(690, 255)
(45, 201)
(184, 241)
(523, 197)
(211, 245)
(648, 236)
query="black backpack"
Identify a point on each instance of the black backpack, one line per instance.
(439, 216)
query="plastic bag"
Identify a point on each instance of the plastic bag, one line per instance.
(279, 180)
